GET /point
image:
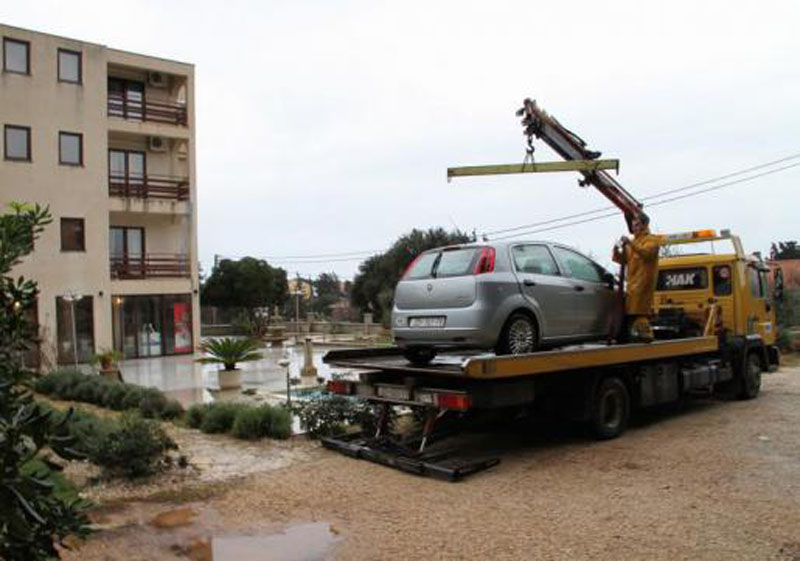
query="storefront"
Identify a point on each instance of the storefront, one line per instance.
(152, 325)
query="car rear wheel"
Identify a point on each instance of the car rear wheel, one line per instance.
(519, 336)
(419, 356)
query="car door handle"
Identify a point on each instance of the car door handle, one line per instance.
(579, 288)
(528, 282)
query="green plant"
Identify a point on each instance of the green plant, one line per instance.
(114, 395)
(330, 415)
(172, 410)
(152, 403)
(228, 351)
(219, 417)
(106, 358)
(195, 414)
(132, 447)
(33, 517)
(252, 423)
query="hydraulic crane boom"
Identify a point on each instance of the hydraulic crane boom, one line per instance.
(571, 147)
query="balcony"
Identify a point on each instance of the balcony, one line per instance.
(149, 187)
(139, 109)
(150, 266)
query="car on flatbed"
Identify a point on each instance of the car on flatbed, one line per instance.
(512, 297)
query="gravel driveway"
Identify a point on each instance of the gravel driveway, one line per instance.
(718, 480)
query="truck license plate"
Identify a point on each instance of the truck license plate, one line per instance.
(393, 392)
(429, 321)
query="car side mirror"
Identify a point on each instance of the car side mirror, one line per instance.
(609, 279)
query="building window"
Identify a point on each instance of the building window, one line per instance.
(75, 328)
(16, 56)
(73, 237)
(17, 143)
(70, 149)
(69, 66)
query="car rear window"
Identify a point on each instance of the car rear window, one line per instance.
(682, 279)
(455, 262)
(423, 266)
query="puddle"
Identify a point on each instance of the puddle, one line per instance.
(301, 542)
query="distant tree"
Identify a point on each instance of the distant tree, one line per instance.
(784, 250)
(327, 291)
(249, 283)
(373, 287)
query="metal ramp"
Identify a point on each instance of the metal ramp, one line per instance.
(384, 450)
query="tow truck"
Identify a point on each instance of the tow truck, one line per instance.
(712, 316)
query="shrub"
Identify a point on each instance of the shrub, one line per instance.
(172, 410)
(132, 446)
(114, 395)
(195, 414)
(329, 415)
(65, 384)
(281, 426)
(152, 403)
(251, 423)
(133, 397)
(219, 417)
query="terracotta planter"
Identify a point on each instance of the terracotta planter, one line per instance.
(229, 379)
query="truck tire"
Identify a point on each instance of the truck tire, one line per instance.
(519, 335)
(419, 356)
(750, 380)
(611, 406)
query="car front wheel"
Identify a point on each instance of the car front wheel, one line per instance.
(519, 336)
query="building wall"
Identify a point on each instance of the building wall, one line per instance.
(47, 106)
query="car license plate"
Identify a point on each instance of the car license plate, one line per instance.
(393, 392)
(429, 321)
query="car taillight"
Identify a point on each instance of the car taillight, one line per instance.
(342, 387)
(456, 401)
(485, 261)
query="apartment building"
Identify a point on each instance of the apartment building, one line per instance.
(106, 139)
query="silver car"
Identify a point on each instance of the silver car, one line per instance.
(513, 297)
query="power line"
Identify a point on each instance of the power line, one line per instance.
(649, 197)
(657, 203)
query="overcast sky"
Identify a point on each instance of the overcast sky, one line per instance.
(327, 127)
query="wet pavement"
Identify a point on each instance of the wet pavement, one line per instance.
(182, 378)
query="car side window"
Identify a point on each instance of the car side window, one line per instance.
(534, 259)
(578, 266)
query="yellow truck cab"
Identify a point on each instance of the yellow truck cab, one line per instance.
(730, 284)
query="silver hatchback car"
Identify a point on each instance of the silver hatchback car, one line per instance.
(513, 297)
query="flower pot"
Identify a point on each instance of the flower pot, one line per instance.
(229, 379)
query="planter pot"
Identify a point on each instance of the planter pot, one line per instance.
(229, 379)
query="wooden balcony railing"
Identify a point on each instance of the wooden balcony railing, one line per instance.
(119, 105)
(149, 187)
(150, 265)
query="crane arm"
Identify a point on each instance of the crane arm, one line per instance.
(570, 146)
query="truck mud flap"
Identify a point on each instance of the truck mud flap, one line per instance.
(445, 465)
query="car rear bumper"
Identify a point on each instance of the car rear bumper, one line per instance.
(464, 327)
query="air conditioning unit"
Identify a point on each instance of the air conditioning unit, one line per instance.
(157, 144)
(157, 79)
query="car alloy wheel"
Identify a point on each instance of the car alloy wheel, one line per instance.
(521, 336)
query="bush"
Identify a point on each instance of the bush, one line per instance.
(252, 423)
(114, 395)
(172, 410)
(152, 403)
(129, 446)
(133, 397)
(219, 417)
(195, 414)
(330, 415)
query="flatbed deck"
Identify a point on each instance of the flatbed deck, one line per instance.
(490, 366)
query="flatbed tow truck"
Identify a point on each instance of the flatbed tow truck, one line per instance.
(714, 326)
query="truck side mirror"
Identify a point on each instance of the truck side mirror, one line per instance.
(777, 287)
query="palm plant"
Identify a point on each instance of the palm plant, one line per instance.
(228, 351)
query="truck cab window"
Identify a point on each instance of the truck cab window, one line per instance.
(722, 281)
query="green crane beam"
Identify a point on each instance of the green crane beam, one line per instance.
(539, 167)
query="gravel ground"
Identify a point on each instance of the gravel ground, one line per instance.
(718, 480)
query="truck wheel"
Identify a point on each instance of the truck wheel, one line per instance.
(419, 356)
(750, 381)
(610, 409)
(519, 335)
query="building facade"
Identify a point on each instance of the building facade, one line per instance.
(106, 139)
